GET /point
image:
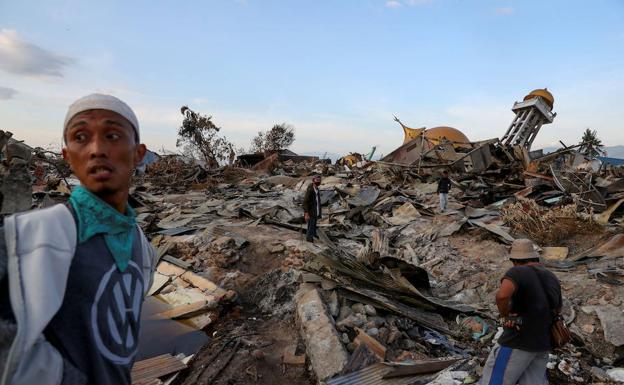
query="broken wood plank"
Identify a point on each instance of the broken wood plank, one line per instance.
(374, 345)
(154, 381)
(203, 283)
(176, 261)
(169, 269)
(153, 368)
(160, 280)
(361, 358)
(309, 277)
(187, 311)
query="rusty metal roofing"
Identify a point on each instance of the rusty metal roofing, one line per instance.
(373, 375)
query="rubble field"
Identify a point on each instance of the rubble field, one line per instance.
(391, 281)
(394, 291)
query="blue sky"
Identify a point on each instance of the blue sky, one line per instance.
(336, 70)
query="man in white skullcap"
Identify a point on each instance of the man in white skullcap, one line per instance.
(73, 276)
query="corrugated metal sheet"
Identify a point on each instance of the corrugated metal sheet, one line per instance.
(373, 374)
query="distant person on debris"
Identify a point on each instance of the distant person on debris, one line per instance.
(444, 186)
(528, 299)
(73, 276)
(312, 207)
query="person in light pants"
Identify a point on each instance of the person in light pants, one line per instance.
(444, 186)
(528, 299)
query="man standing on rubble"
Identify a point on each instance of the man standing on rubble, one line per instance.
(312, 207)
(76, 274)
(528, 299)
(444, 186)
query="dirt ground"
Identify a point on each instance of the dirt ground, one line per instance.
(248, 342)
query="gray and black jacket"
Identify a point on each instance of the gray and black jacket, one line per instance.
(40, 246)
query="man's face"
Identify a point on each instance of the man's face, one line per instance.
(316, 181)
(102, 151)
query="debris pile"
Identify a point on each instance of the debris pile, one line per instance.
(394, 291)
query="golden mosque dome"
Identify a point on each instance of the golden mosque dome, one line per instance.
(436, 134)
(544, 93)
(448, 133)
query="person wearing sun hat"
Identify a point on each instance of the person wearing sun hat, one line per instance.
(73, 276)
(524, 302)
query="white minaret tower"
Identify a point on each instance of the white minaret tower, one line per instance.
(534, 111)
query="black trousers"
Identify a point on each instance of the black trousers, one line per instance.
(311, 233)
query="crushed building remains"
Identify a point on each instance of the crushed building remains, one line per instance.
(394, 292)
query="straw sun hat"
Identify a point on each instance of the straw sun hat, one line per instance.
(522, 249)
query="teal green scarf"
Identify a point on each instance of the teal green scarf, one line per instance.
(98, 217)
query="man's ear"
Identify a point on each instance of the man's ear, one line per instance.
(65, 155)
(139, 153)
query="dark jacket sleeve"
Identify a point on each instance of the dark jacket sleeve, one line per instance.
(307, 200)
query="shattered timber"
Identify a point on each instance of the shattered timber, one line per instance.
(394, 292)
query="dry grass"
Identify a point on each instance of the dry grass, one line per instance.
(547, 226)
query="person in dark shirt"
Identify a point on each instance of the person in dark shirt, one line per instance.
(528, 300)
(312, 207)
(444, 186)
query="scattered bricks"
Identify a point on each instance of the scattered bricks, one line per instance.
(327, 355)
(289, 357)
(224, 242)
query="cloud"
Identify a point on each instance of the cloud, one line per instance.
(505, 10)
(411, 3)
(23, 58)
(7, 93)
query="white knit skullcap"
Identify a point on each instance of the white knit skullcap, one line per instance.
(102, 102)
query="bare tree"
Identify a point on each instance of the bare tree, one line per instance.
(198, 136)
(279, 137)
(257, 143)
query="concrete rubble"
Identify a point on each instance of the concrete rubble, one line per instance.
(394, 289)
